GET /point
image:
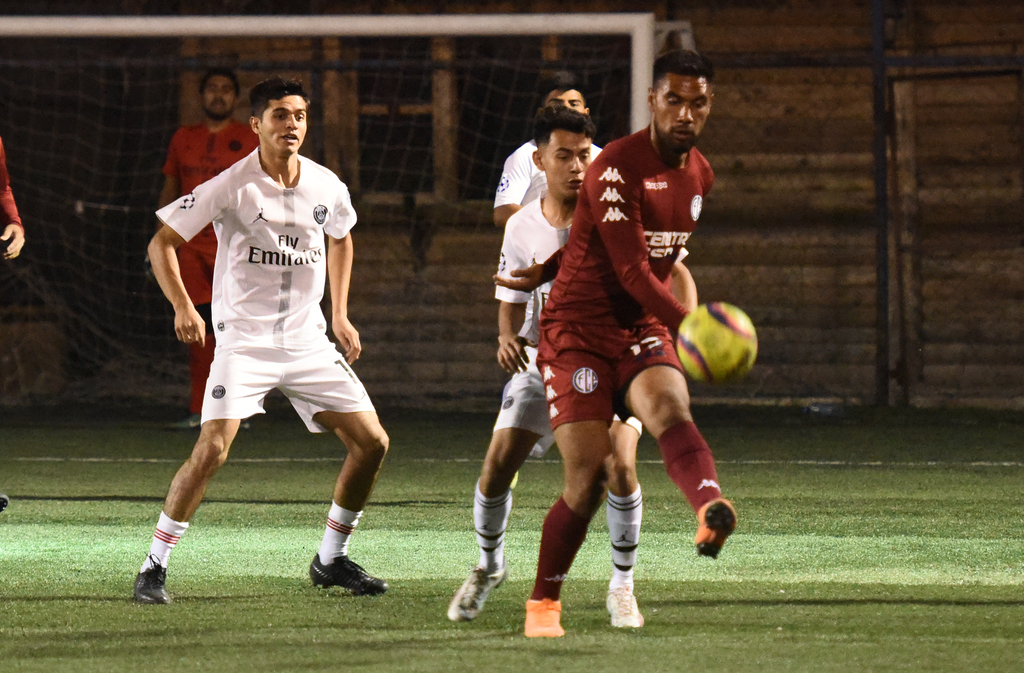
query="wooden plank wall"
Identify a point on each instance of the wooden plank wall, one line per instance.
(787, 232)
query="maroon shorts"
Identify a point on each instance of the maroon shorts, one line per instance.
(586, 369)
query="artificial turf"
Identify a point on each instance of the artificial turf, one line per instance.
(875, 541)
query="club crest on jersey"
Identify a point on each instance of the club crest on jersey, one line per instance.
(612, 196)
(320, 214)
(503, 185)
(613, 214)
(611, 175)
(218, 392)
(695, 207)
(509, 401)
(585, 380)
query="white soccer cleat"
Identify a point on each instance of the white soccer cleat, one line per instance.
(622, 607)
(470, 598)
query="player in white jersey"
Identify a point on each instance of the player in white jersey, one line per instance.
(563, 137)
(271, 212)
(521, 181)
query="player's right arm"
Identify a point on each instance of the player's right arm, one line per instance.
(189, 326)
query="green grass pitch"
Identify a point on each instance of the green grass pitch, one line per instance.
(875, 541)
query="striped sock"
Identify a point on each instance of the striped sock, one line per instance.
(490, 518)
(165, 537)
(341, 523)
(624, 516)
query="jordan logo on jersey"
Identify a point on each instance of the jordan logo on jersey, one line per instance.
(613, 215)
(611, 175)
(612, 195)
(259, 217)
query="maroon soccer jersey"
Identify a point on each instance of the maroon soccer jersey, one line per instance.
(8, 210)
(632, 220)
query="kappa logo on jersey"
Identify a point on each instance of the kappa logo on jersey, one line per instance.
(585, 380)
(503, 184)
(552, 411)
(655, 186)
(613, 214)
(663, 243)
(611, 175)
(548, 374)
(320, 214)
(550, 393)
(258, 217)
(709, 483)
(188, 201)
(695, 207)
(612, 195)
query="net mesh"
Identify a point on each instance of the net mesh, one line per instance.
(418, 128)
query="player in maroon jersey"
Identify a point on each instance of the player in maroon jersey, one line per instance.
(196, 154)
(12, 231)
(607, 330)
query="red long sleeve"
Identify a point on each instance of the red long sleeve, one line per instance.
(8, 209)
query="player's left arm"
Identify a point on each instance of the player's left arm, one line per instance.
(339, 274)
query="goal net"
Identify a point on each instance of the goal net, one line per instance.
(415, 114)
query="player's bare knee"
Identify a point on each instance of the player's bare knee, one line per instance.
(373, 447)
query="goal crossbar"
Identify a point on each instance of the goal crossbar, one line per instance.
(639, 26)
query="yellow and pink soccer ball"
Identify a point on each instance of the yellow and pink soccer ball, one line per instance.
(716, 343)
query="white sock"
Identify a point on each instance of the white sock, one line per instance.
(341, 523)
(165, 537)
(624, 515)
(490, 517)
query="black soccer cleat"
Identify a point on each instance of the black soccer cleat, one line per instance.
(149, 586)
(345, 573)
(4, 501)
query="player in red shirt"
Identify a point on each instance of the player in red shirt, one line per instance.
(196, 154)
(13, 237)
(607, 329)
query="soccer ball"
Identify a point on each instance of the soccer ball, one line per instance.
(716, 343)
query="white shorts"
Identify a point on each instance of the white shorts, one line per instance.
(524, 406)
(314, 379)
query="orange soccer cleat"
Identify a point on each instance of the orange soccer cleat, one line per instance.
(543, 619)
(717, 521)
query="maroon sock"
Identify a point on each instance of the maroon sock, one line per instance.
(561, 537)
(689, 463)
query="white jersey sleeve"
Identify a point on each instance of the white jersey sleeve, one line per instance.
(189, 214)
(343, 218)
(518, 176)
(514, 255)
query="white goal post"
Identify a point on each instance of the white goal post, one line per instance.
(639, 26)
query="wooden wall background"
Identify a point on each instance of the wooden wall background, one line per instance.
(788, 231)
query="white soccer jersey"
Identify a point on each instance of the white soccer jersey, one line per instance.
(529, 239)
(271, 265)
(521, 180)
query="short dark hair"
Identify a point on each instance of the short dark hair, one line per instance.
(683, 62)
(274, 88)
(559, 117)
(559, 81)
(219, 72)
